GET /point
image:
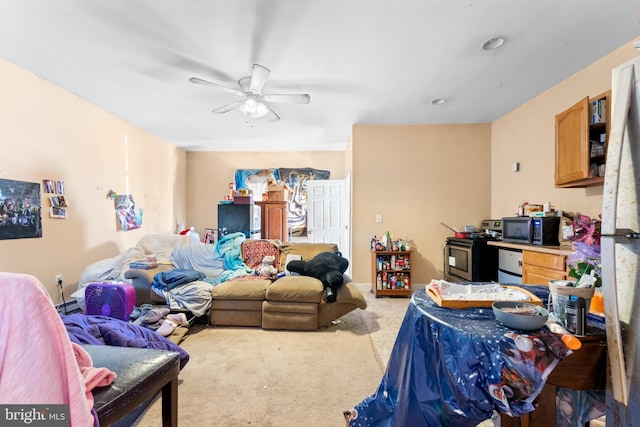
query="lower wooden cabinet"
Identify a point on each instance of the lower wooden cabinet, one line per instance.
(539, 268)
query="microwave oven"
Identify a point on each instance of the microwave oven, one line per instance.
(531, 230)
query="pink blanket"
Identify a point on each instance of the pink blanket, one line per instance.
(38, 362)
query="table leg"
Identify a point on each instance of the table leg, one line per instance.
(170, 403)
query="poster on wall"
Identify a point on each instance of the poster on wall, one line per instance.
(19, 210)
(128, 215)
(296, 178)
(254, 180)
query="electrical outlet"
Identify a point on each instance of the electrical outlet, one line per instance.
(59, 280)
(378, 217)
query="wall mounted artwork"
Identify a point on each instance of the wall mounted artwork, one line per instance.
(128, 215)
(19, 210)
(296, 178)
(59, 204)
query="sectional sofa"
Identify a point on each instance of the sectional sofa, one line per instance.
(291, 302)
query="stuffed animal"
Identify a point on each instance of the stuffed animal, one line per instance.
(328, 267)
(267, 269)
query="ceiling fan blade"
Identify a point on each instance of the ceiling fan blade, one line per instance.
(207, 83)
(290, 99)
(259, 77)
(228, 107)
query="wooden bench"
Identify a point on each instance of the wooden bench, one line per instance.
(141, 374)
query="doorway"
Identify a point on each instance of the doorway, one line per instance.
(328, 214)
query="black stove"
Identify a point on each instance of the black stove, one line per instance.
(471, 259)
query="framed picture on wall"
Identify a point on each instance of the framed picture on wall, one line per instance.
(19, 209)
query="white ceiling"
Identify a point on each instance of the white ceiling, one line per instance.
(362, 61)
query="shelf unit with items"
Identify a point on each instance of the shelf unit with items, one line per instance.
(582, 133)
(391, 273)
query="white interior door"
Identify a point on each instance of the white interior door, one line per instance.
(327, 213)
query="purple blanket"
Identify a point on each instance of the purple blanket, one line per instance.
(103, 330)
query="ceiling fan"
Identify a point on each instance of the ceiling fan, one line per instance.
(253, 103)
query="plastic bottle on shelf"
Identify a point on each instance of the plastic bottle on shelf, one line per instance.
(379, 282)
(389, 242)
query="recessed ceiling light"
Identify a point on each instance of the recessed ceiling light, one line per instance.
(438, 101)
(494, 42)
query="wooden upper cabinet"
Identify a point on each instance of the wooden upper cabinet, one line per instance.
(581, 143)
(572, 162)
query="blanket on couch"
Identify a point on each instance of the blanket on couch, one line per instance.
(198, 268)
(218, 263)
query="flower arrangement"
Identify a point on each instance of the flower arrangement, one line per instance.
(584, 262)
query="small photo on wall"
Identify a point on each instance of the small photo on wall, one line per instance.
(60, 187)
(47, 184)
(58, 213)
(58, 201)
(210, 236)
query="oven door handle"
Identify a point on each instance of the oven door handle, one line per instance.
(444, 258)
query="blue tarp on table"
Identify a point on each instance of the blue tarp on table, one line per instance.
(454, 367)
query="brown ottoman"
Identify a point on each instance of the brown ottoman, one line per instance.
(292, 303)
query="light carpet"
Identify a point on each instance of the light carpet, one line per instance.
(254, 377)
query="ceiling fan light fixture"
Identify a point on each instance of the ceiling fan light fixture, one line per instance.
(494, 42)
(253, 108)
(250, 105)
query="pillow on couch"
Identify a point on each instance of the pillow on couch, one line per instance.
(253, 251)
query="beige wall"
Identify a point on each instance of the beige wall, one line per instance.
(50, 134)
(527, 135)
(209, 175)
(417, 176)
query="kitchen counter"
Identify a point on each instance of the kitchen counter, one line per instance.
(565, 248)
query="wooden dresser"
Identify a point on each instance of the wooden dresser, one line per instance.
(273, 220)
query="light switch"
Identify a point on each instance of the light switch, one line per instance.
(378, 217)
(515, 167)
